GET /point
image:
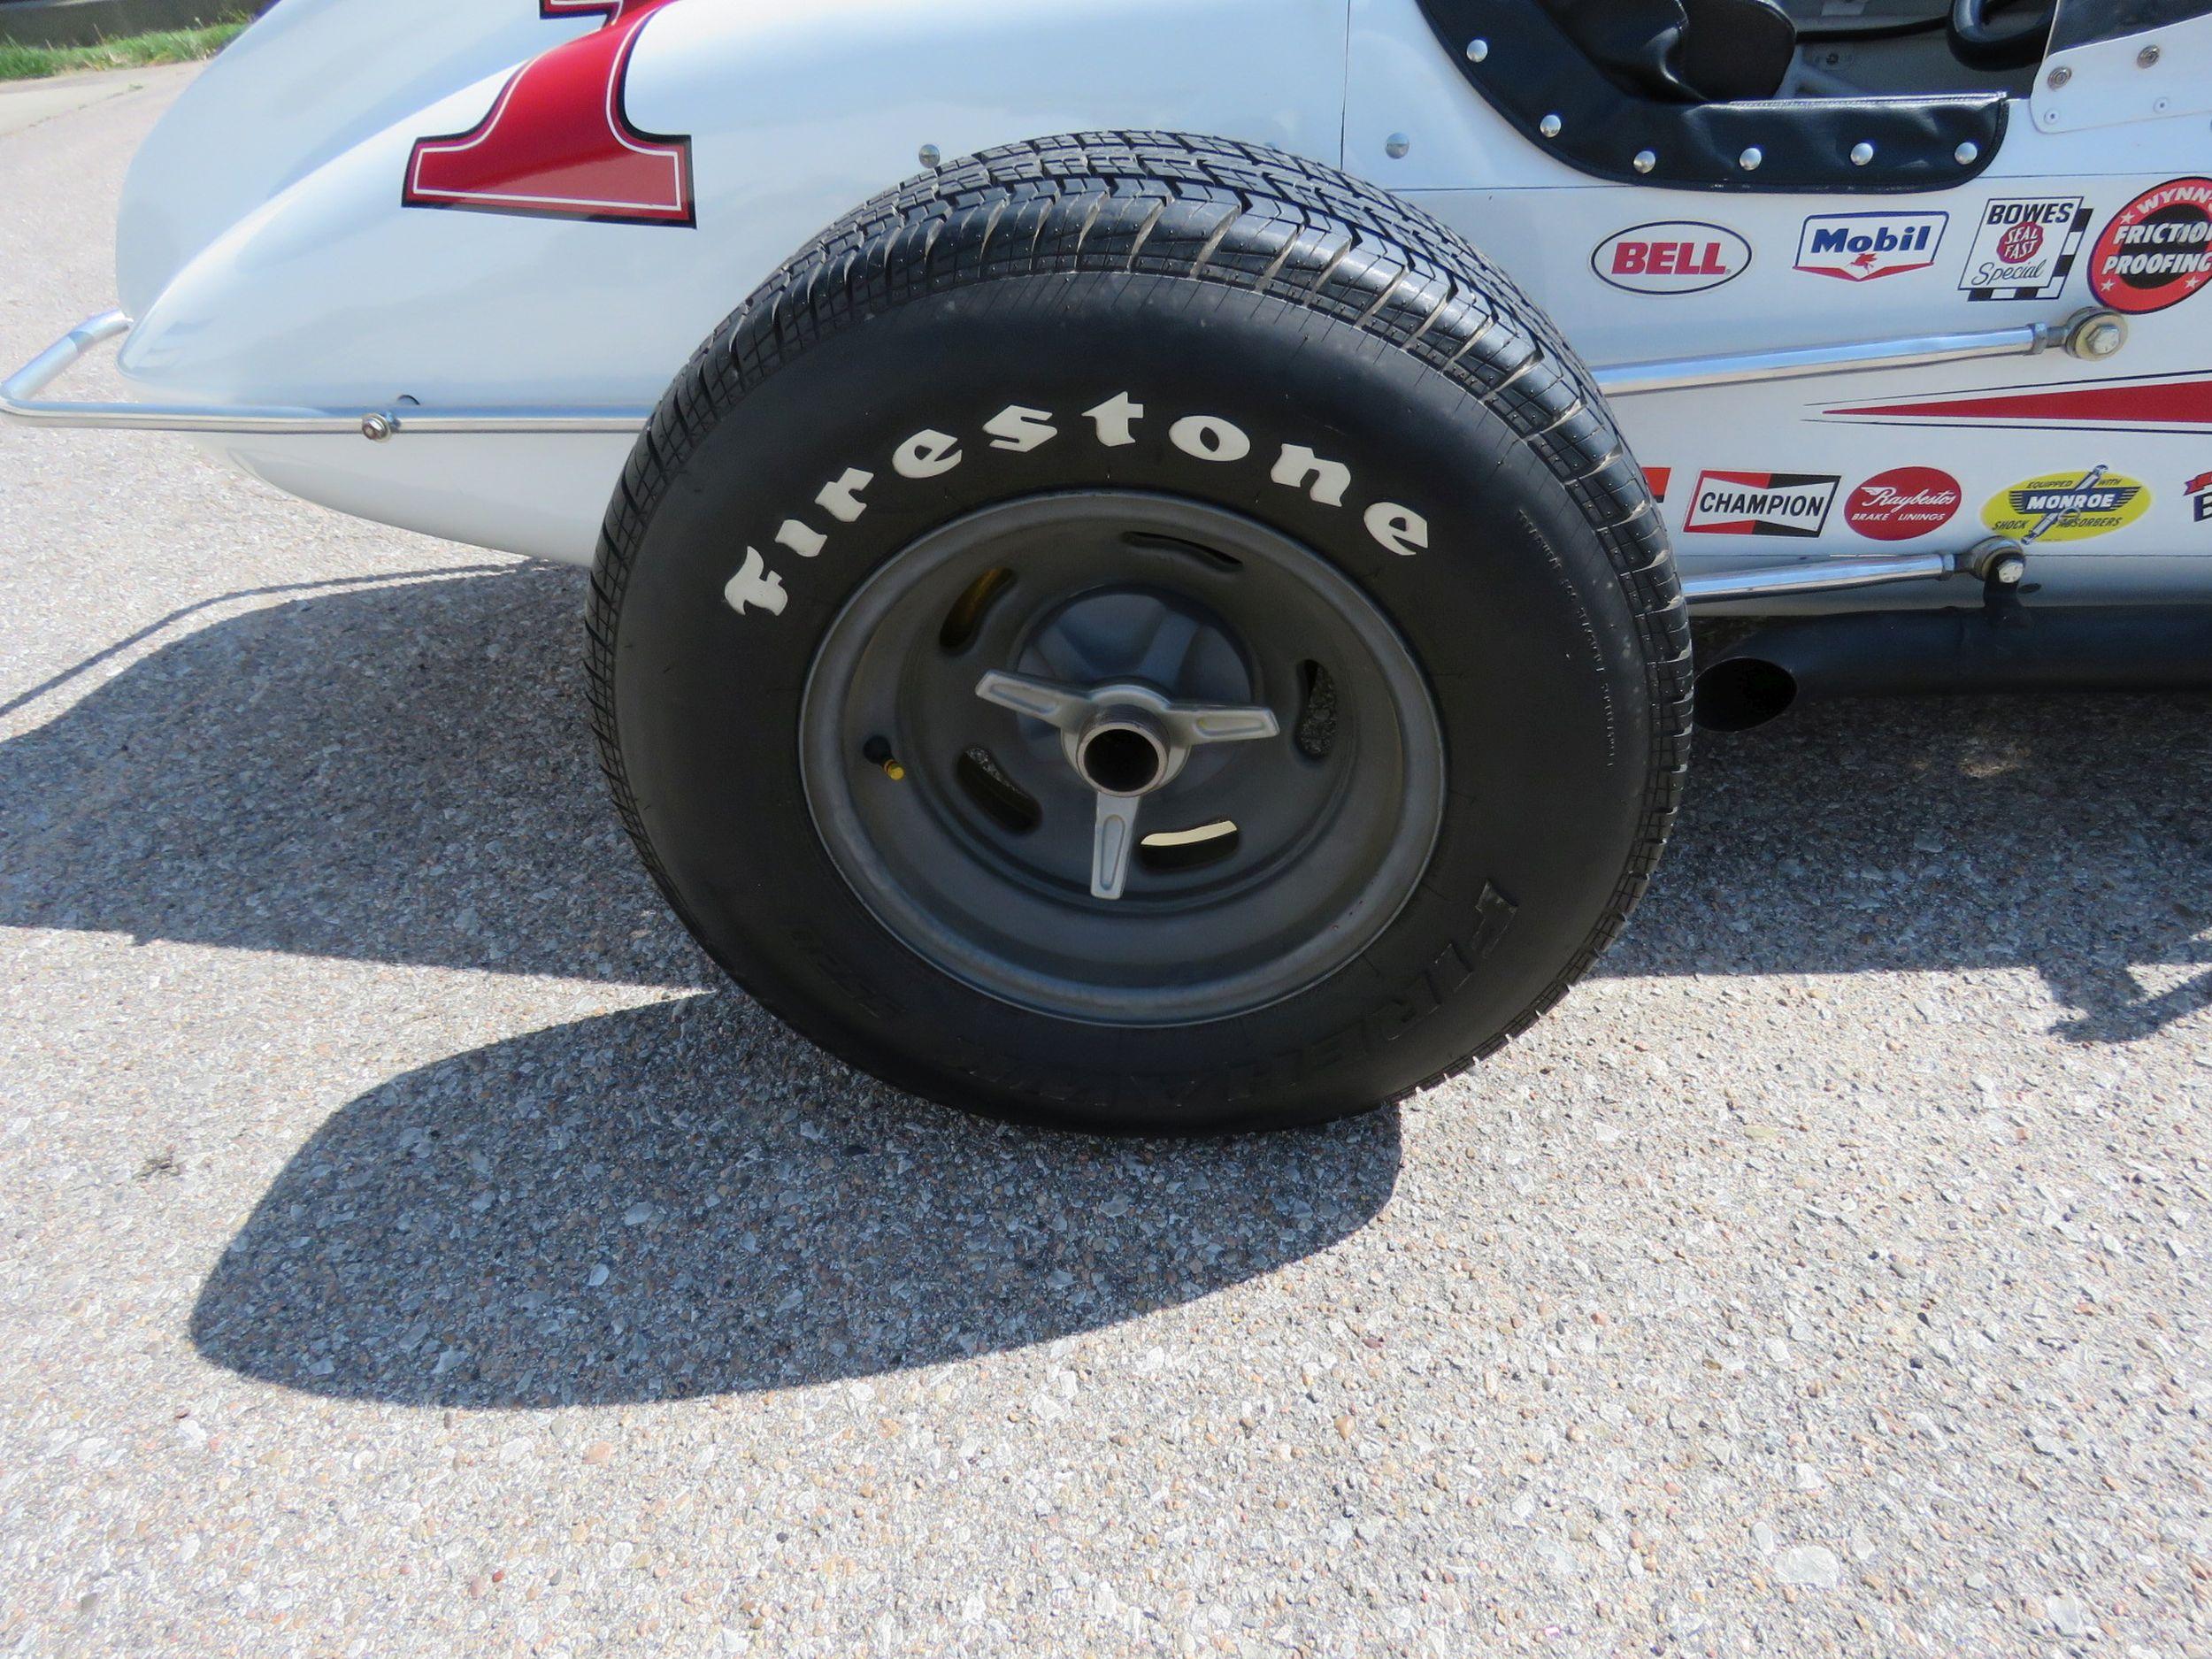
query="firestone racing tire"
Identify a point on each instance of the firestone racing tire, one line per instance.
(1157, 517)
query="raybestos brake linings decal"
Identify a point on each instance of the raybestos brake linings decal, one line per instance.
(1902, 503)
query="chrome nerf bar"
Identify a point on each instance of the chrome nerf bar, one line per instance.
(19, 402)
(2092, 334)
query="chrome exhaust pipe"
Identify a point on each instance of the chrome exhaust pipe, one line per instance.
(2007, 648)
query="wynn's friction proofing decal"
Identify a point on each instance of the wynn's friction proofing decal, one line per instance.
(1671, 257)
(1760, 503)
(558, 142)
(1859, 246)
(2157, 250)
(2024, 248)
(2144, 403)
(1903, 503)
(2093, 504)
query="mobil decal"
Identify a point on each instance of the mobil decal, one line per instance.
(2067, 506)
(2024, 248)
(2199, 490)
(1859, 246)
(2176, 403)
(1672, 257)
(1760, 503)
(1902, 503)
(2157, 250)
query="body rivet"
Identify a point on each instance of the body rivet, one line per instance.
(1751, 159)
(2145, 58)
(932, 156)
(1549, 126)
(1861, 153)
(1967, 155)
(1646, 160)
(2058, 77)
(1397, 145)
(1477, 50)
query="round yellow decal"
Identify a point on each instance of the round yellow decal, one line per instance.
(2093, 504)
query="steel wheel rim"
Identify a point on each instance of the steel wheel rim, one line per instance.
(1336, 816)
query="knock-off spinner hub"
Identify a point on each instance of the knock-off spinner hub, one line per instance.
(1125, 741)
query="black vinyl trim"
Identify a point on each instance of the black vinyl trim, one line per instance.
(1532, 70)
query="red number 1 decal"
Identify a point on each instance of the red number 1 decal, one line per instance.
(558, 143)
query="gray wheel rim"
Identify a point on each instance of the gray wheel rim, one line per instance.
(916, 784)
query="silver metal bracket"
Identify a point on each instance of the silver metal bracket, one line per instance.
(2092, 335)
(19, 402)
(1996, 560)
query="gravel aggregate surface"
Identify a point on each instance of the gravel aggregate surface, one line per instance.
(407, 1244)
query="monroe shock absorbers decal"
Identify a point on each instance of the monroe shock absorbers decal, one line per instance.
(2157, 250)
(558, 142)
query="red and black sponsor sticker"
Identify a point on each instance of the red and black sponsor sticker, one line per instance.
(2157, 250)
(1659, 477)
(1903, 503)
(1760, 503)
(2199, 490)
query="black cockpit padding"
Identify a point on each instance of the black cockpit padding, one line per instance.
(1737, 48)
(1683, 51)
(1609, 124)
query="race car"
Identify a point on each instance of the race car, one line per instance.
(1142, 549)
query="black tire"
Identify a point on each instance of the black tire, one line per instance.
(1291, 306)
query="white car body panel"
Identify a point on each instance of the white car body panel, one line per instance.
(265, 251)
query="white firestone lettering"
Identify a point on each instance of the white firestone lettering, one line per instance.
(1401, 529)
(755, 585)
(1020, 430)
(841, 499)
(804, 540)
(1208, 439)
(928, 453)
(1114, 417)
(1330, 478)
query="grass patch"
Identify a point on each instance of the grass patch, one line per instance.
(130, 51)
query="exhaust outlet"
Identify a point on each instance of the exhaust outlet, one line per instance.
(1921, 653)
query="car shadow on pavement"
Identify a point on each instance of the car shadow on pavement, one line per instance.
(401, 772)
(2069, 835)
(683, 1199)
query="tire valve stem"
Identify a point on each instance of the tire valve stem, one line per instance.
(876, 752)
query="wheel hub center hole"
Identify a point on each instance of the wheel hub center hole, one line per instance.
(1121, 759)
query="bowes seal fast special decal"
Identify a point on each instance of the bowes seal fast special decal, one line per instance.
(2024, 248)
(1760, 503)
(2084, 505)
(2157, 250)
(1903, 503)
(1671, 257)
(1859, 246)
(558, 142)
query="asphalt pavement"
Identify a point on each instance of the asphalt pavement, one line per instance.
(407, 1244)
